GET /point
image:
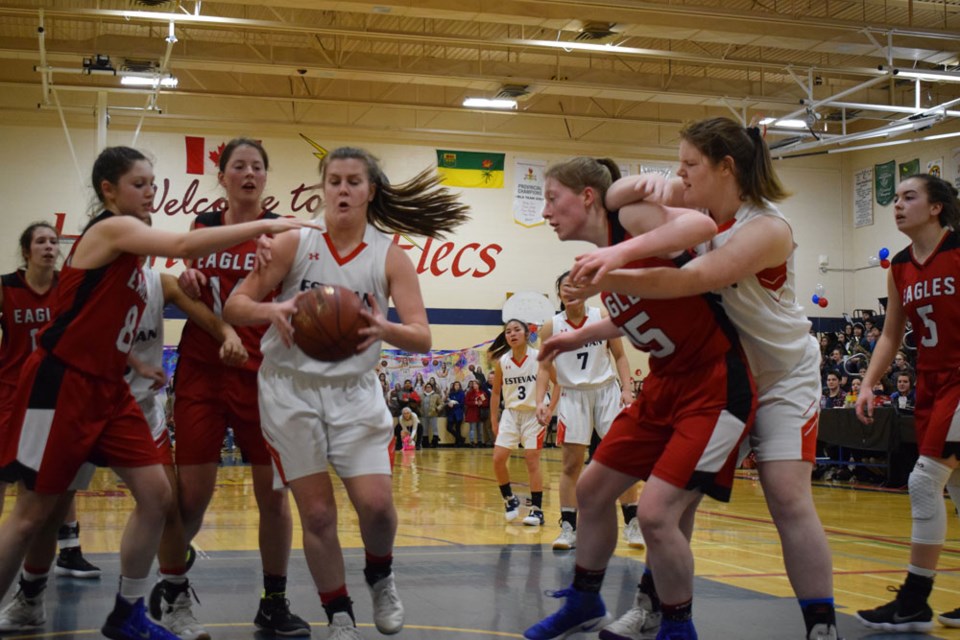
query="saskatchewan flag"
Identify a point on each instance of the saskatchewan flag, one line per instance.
(472, 169)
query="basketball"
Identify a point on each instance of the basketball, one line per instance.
(326, 326)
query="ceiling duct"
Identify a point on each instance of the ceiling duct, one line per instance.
(596, 31)
(150, 3)
(513, 92)
(140, 66)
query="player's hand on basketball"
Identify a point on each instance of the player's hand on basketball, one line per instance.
(590, 267)
(190, 281)
(232, 351)
(280, 313)
(377, 324)
(865, 405)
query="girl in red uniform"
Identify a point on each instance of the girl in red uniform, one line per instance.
(922, 288)
(211, 396)
(25, 299)
(72, 391)
(681, 434)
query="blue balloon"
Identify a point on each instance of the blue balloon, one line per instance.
(815, 298)
(884, 253)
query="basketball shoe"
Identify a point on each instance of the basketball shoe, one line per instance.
(512, 506)
(129, 622)
(387, 608)
(274, 616)
(534, 518)
(567, 538)
(633, 535)
(581, 612)
(23, 613)
(640, 622)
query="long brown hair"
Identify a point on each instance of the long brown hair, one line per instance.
(419, 206)
(941, 192)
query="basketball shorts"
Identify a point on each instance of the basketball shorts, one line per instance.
(937, 413)
(520, 427)
(311, 424)
(788, 411)
(581, 411)
(153, 410)
(685, 429)
(67, 418)
(209, 397)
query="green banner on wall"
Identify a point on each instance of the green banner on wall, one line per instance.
(908, 169)
(885, 180)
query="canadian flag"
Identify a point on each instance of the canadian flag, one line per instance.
(203, 155)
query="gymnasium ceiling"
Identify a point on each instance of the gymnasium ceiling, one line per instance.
(591, 72)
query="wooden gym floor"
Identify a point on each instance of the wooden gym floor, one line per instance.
(463, 572)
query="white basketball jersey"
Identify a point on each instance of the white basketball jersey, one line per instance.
(519, 385)
(588, 366)
(317, 263)
(773, 329)
(148, 338)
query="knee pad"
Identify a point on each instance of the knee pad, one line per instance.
(926, 484)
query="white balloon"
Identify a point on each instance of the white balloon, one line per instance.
(819, 289)
(873, 261)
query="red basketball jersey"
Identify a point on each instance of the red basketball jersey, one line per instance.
(929, 293)
(678, 334)
(24, 313)
(95, 314)
(224, 270)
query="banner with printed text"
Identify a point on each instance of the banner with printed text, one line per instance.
(885, 180)
(471, 169)
(528, 196)
(863, 198)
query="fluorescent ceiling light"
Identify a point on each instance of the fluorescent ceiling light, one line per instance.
(786, 124)
(486, 103)
(931, 75)
(169, 82)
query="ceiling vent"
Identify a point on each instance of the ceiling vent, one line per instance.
(594, 31)
(150, 3)
(140, 66)
(513, 92)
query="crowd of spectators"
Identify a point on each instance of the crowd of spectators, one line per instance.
(844, 357)
(428, 402)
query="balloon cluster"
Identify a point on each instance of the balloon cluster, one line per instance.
(819, 298)
(533, 328)
(882, 259)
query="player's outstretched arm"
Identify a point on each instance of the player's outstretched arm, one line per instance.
(232, 350)
(244, 306)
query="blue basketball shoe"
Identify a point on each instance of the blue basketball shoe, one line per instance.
(582, 611)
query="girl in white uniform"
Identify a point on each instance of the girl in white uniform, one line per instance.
(516, 380)
(725, 170)
(171, 606)
(592, 393)
(317, 415)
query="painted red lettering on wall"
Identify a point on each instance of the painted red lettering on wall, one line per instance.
(438, 257)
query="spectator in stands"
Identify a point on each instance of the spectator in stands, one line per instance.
(475, 400)
(393, 400)
(851, 400)
(903, 398)
(859, 341)
(834, 397)
(430, 407)
(409, 424)
(409, 396)
(873, 334)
